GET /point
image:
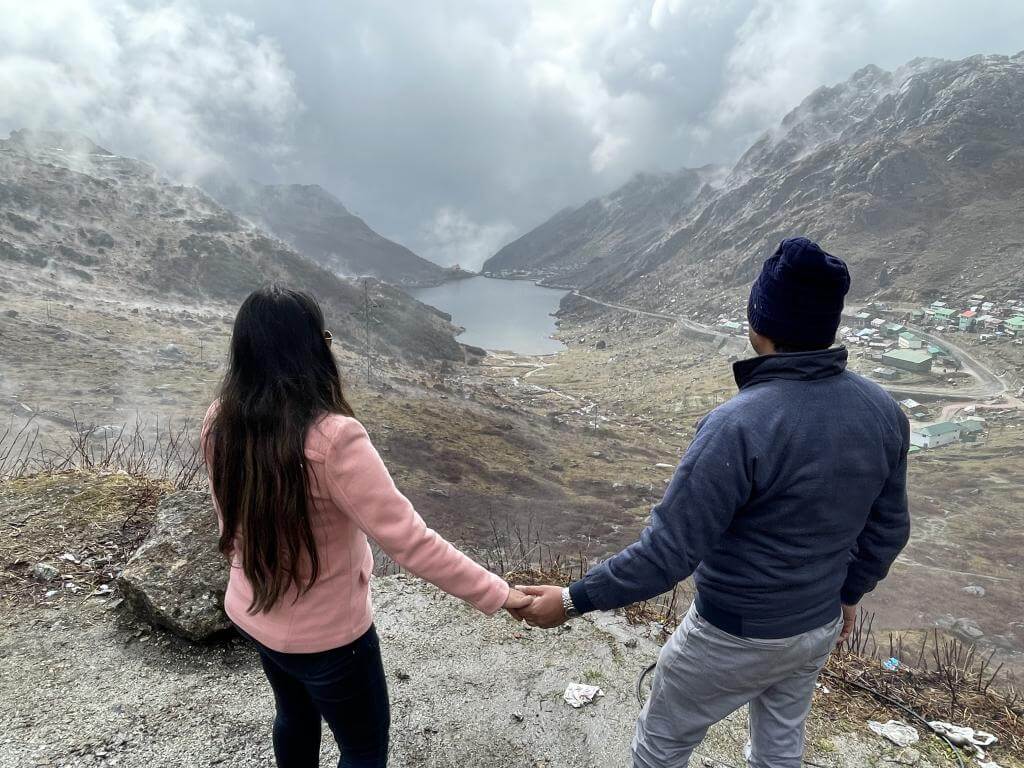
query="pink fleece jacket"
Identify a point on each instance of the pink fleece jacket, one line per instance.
(353, 496)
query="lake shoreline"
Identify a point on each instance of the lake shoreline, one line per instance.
(507, 315)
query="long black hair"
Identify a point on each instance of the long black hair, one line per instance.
(281, 377)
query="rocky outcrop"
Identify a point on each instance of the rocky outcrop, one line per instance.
(176, 578)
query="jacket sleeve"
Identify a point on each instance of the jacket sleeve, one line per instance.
(711, 483)
(886, 532)
(361, 486)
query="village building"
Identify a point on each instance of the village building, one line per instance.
(971, 429)
(914, 360)
(934, 435)
(990, 322)
(967, 320)
(1015, 324)
(913, 408)
(907, 340)
(944, 316)
(885, 373)
(730, 326)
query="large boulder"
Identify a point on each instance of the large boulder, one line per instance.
(177, 577)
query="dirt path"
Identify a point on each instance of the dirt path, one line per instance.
(82, 685)
(684, 321)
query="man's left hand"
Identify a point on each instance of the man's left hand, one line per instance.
(546, 610)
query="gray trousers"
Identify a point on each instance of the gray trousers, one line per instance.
(704, 674)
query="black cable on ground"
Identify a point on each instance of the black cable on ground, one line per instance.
(640, 683)
(899, 705)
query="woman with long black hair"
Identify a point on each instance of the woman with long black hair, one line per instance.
(298, 487)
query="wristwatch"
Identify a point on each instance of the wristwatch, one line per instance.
(567, 604)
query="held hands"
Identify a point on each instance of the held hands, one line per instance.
(546, 610)
(516, 602)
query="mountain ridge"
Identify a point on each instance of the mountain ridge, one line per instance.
(901, 173)
(318, 225)
(78, 220)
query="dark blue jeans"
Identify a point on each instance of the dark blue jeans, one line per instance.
(346, 687)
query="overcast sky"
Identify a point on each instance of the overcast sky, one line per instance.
(450, 126)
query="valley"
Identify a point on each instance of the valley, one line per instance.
(119, 289)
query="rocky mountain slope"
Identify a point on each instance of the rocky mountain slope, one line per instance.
(578, 244)
(77, 221)
(915, 176)
(317, 224)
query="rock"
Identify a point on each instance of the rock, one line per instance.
(967, 629)
(439, 492)
(974, 589)
(177, 577)
(11, 313)
(601, 344)
(45, 572)
(172, 352)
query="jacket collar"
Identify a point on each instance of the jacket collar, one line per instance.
(799, 366)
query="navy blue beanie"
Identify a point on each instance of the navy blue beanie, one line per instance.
(797, 299)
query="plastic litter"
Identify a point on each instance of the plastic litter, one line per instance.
(964, 736)
(899, 733)
(891, 664)
(578, 694)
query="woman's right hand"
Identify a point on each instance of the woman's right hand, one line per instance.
(515, 602)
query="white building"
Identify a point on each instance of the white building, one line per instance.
(934, 435)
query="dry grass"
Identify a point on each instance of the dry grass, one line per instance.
(165, 451)
(86, 524)
(939, 678)
(85, 506)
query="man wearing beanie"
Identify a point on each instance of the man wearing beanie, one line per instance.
(789, 505)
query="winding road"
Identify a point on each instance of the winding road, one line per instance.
(990, 385)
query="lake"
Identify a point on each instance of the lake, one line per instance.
(513, 315)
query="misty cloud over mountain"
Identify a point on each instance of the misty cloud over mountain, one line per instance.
(450, 127)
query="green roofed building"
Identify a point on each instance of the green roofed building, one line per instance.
(934, 435)
(907, 340)
(915, 360)
(1015, 324)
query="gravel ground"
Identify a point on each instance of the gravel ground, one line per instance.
(81, 684)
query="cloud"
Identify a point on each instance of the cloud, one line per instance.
(189, 91)
(453, 238)
(442, 122)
